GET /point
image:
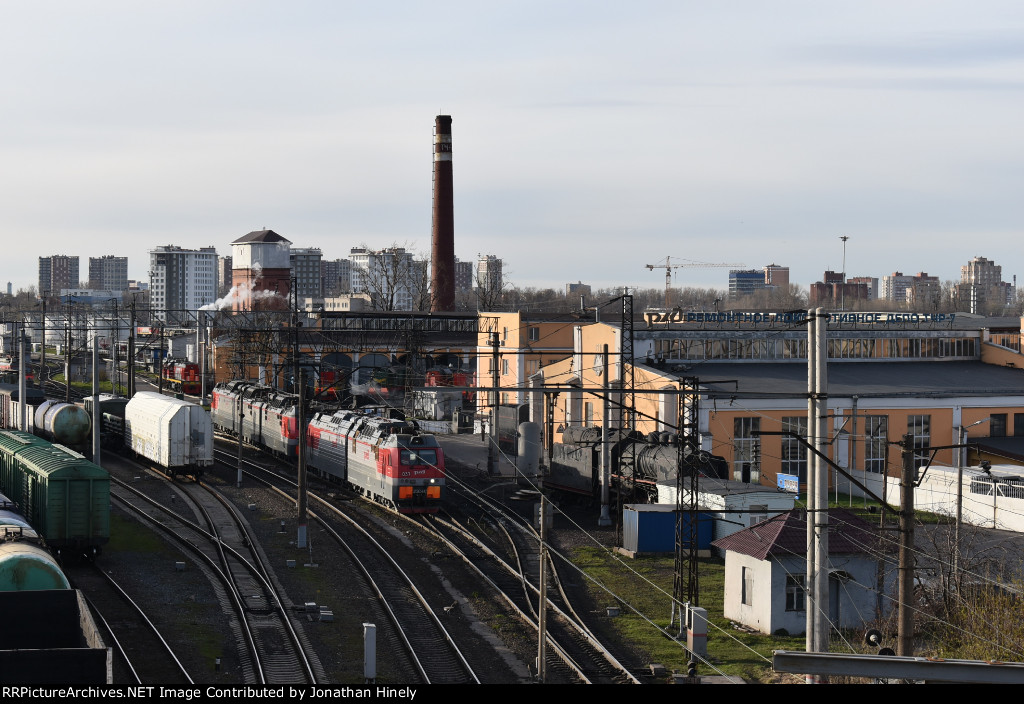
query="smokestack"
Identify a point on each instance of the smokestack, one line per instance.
(442, 255)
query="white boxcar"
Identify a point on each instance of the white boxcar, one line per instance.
(175, 434)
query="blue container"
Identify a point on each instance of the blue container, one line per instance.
(651, 528)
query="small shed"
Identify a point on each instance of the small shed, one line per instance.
(766, 569)
(735, 505)
(649, 529)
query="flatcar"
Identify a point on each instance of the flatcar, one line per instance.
(385, 459)
(175, 434)
(111, 415)
(62, 495)
(639, 464)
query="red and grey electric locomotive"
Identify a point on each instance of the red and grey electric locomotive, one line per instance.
(387, 460)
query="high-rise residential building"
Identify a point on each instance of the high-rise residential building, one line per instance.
(744, 282)
(223, 276)
(577, 289)
(262, 271)
(836, 290)
(305, 266)
(336, 276)
(108, 273)
(981, 286)
(57, 272)
(895, 286)
(981, 272)
(463, 276)
(488, 272)
(925, 292)
(181, 280)
(870, 281)
(391, 277)
(777, 277)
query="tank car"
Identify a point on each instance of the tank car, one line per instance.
(175, 434)
(385, 459)
(24, 564)
(62, 495)
(63, 423)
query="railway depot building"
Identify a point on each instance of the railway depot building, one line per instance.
(373, 349)
(889, 374)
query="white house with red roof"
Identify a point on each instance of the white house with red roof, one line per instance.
(766, 569)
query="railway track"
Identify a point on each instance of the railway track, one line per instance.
(142, 652)
(574, 654)
(262, 622)
(416, 625)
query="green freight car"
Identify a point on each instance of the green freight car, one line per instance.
(64, 496)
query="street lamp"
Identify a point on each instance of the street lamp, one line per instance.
(961, 456)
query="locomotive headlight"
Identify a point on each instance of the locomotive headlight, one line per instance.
(433, 481)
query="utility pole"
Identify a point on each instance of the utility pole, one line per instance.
(95, 397)
(115, 376)
(299, 378)
(816, 582)
(238, 428)
(542, 603)
(160, 360)
(42, 360)
(67, 355)
(605, 519)
(22, 369)
(131, 354)
(905, 598)
(202, 344)
(492, 454)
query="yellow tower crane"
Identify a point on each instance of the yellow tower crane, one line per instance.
(668, 266)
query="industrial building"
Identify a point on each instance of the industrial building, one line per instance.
(889, 374)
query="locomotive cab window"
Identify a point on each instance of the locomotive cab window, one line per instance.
(410, 457)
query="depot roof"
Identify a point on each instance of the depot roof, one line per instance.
(863, 379)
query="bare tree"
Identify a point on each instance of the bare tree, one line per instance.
(392, 276)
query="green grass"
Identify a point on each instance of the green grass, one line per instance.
(863, 508)
(732, 652)
(106, 387)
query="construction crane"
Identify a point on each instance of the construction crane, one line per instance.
(668, 266)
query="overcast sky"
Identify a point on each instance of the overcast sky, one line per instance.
(589, 138)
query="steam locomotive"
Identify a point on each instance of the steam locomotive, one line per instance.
(640, 464)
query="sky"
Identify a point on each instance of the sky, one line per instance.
(590, 139)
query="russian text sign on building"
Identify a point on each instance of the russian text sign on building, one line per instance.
(661, 317)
